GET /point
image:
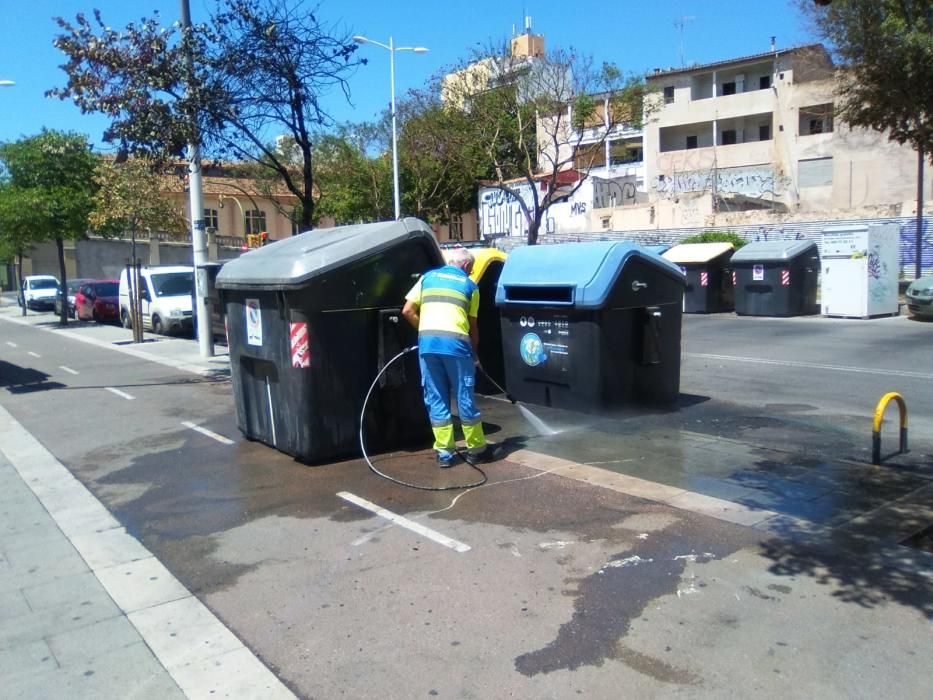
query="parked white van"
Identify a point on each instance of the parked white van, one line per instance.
(38, 292)
(166, 298)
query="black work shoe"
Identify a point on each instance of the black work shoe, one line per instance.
(445, 461)
(490, 453)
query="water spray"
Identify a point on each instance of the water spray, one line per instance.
(539, 425)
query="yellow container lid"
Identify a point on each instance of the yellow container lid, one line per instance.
(483, 257)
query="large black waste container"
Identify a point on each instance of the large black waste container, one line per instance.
(709, 284)
(590, 326)
(776, 278)
(311, 320)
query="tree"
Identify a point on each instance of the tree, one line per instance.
(52, 187)
(543, 122)
(439, 157)
(130, 197)
(353, 185)
(885, 48)
(16, 235)
(258, 67)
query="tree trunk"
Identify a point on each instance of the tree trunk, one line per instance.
(19, 283)
(63, 280)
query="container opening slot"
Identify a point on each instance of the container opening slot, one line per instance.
(537, 294)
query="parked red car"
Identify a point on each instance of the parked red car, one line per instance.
(98, 300)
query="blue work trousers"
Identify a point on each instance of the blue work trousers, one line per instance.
(442, 375)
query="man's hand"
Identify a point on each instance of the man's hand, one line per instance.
(410, 314)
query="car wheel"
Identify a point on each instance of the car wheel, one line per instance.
(125, 319)
(157, 327)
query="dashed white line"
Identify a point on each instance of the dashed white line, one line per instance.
(12, 344)
(119, 393)
(402, 521)
(34, 354)
(210, 433)
(68, 369)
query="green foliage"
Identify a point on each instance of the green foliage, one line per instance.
(130, 197)
(353, 187)
(886, 49)
(256, 67)
(717, 237)
(50, 189)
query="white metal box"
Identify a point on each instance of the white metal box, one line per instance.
(860, 270)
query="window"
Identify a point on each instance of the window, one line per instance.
(668, 94)
(816, 126)
(764, 132)
(764, 82)
(728, 137)
(210, 219)
(692, 141)
(728, 88)
(455, 229)
(255, 221)
(815, 172)
(605, 221)
(816, 119)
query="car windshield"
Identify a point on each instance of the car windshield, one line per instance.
(74, 284)
(107, 289)
(43, 284)
(173, 284)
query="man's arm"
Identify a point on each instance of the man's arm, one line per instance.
(410, 312)
(474, 335)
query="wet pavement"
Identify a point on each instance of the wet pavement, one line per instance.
(778, 573)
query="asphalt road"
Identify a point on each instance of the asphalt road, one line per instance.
(566, 588)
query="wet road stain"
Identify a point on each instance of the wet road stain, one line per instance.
(609, 600)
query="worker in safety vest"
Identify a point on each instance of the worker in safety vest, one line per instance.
(443, 306)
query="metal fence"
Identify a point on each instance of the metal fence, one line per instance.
(790, 230)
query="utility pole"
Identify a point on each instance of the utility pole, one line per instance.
(919, 261)
(198, 234)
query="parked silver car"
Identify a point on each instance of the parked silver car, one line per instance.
(919, 297)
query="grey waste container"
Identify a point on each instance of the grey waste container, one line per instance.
(311, 320)
(709, 282)
(590, 326)
(776, 278)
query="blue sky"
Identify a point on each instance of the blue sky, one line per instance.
(637, 36)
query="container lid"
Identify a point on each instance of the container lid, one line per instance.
(765, 251)
(484, 257)
(697, 252)
(590, 270)
(292, 261)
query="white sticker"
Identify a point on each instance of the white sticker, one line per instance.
(523, 321)
(253, 322)
(758, 273)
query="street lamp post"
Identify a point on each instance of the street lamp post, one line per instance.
(392, 48)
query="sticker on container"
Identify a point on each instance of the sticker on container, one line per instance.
(253, 322)
(523, 321)
(531, 321)
(532, 349)
(758, 273)
(785, 278)
(704, 279)
(298, 338)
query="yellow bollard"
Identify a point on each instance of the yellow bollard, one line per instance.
(876, 427)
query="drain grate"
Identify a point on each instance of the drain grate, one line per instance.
(921, 540)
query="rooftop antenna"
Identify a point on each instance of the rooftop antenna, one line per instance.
(527, 24)
(679, 23)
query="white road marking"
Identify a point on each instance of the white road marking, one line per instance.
(402, 521)
(813, 365)
(12, 344)
(34, 354)
(68, 369)
(119, 393)
(210, 433)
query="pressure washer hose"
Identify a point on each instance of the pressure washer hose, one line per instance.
(372, 386)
